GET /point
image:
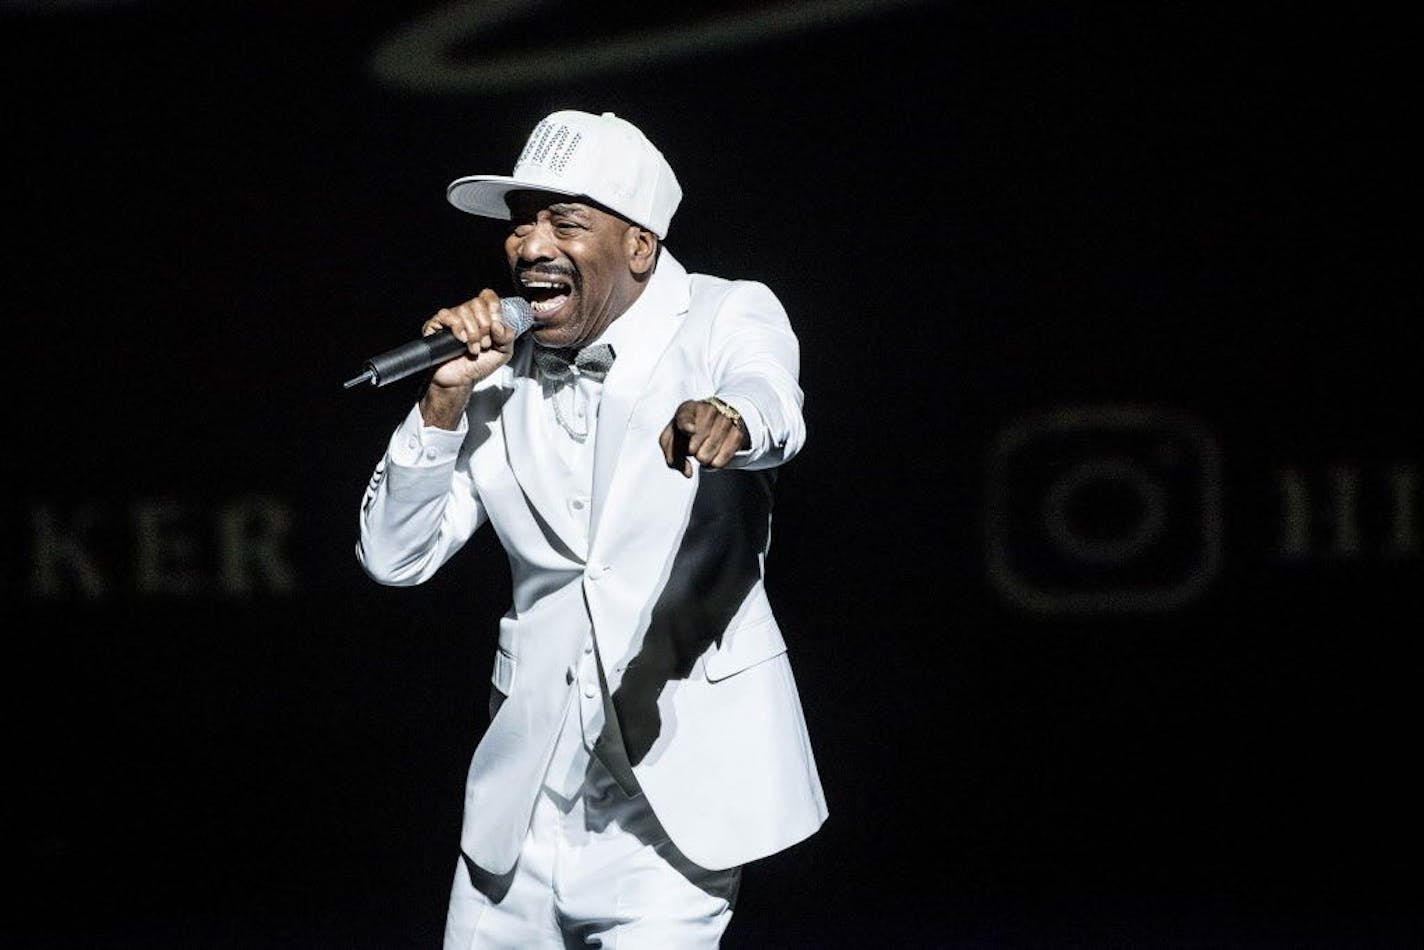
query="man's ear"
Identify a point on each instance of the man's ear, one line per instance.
(641, 246)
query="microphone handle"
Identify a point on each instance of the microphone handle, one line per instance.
(410, 358)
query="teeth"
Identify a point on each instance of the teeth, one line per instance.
(554, 292)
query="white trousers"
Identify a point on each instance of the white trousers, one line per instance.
(595, 871)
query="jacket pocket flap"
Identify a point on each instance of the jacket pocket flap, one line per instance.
(743, 646)
(503, 675)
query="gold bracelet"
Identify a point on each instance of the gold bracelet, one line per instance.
(725, 410)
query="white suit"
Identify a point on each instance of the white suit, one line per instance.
(668, 576)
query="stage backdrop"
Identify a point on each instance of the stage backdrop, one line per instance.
(1100, 570)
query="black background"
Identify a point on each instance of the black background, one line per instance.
(978, 216)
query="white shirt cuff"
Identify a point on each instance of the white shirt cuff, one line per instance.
(417, 445)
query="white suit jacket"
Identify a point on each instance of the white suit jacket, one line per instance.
(668, 578)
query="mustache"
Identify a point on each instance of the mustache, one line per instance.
(544, 271)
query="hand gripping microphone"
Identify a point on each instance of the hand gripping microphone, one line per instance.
(432, 350)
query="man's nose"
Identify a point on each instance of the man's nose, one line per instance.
(538, 244)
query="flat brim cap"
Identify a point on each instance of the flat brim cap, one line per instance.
(601, 157)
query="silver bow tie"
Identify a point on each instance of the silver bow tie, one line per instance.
(558, 365)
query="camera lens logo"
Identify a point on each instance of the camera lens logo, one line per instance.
(1109, 509)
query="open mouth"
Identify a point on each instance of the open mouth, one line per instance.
(545, 294)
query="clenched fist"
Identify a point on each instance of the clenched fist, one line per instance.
(488, 344)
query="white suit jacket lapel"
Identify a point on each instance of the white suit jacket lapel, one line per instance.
(536, 466)
(655, 318)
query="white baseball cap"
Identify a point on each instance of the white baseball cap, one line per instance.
(601, 157)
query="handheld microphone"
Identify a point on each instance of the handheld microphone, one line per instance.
(432, 350)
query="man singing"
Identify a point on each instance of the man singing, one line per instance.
(647, 739)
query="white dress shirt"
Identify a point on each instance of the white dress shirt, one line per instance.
(577, 402)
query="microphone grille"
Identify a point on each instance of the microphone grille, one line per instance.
(515, 313)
